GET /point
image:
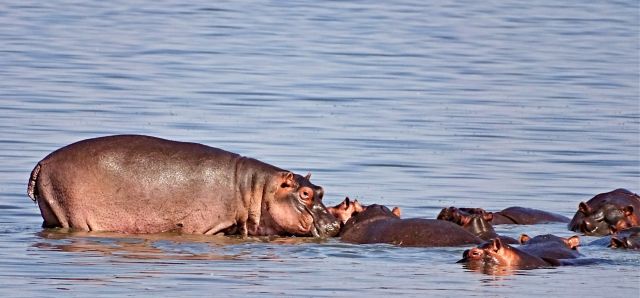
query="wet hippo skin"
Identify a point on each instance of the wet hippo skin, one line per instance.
(378, 224)
(142, 184)
(607, 213)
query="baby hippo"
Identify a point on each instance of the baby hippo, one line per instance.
(476, 223)
(378, 224)
(347, 208)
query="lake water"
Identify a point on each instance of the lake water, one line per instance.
(416, 104)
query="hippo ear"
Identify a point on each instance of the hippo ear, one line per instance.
(584, 208)
(616, 243)
(308, 177)
(286, 179)
(347, 203)
(396, 211)
(524, 238)
(573, 241)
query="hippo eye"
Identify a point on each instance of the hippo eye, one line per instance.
(306, 194)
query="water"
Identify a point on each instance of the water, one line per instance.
(416, 104)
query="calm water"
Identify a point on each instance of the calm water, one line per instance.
(417, 104)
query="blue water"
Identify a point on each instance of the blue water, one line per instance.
(416, 104)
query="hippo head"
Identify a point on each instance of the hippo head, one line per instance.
(607, 219)
(347, 208)
(490, 253)
(296, 208)
(476, 222)
(629, 238)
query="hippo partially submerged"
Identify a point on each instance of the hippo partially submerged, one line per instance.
(142, 184)
(476, 223)
(378, 224)
(607, 213)
(540, 251)
(516, 215)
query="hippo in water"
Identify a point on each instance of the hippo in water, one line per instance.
(627, 238)
(378, 224)
(518, 216)
(347, 208)
(143, 184)
(551, 246)
(539, 251)
(476, 223)
(607, 213)
(493, 253)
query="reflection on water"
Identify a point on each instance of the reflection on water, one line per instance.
(416, 104)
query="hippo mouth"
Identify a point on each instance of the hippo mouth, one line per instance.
(324, 224)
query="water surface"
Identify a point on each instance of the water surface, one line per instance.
(415, 104)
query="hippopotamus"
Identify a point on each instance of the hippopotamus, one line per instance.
(144, 184)
(494, 253)
(607, 213)
(627, 238)
(476, 223)
(519, 216)
(344, 210)
(378, 224)
(550, 246)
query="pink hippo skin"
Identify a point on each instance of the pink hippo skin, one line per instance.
(142, 184)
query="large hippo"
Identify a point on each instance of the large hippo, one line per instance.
(476, 223)
(378, 224)
(607, 213)
(143, 184)
(519, 216)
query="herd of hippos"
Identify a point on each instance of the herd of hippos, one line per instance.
(143, 184)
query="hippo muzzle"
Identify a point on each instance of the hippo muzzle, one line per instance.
(324, 223)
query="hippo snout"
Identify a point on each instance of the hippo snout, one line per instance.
(324, 223)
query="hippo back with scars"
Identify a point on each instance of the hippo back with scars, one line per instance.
(141, 184)
(378, 224)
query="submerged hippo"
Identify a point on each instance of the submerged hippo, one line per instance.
(550, 246)
(142, 184)
(627, 238)
(607, 213)
(378, 224)
(476, 223)
(519, 216)
(494, 253)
